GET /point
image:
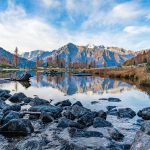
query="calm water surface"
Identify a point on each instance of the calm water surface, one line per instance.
(83, 88)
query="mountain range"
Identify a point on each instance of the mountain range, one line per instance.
(89, 54)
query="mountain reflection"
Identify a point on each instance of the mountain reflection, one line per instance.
(70, 84)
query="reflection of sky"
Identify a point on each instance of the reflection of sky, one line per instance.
(85, 89)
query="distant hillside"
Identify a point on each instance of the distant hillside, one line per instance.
(142, 57)
(36, 53)
(8, 57)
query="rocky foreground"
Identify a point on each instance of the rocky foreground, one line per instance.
(65, 126)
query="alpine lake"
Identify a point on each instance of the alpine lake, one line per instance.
(93, 92)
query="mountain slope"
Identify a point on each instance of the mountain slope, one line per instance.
(93, 56)
(22, 61)
(36, 53)
(142, 57)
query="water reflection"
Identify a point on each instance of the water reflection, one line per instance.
(70, 84)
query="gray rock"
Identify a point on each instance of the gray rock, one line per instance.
(27, 99)
(77, 103)
(64, 123)
(111, 99)
(141, 141)
(87, 119)
(72, 146)
(74, 132)
(79, 111)
(17, 127)
(126, 113)
(102, 114)
(38, 101)
(13, 108)
(144, 113)
(100, 122)
(63, 103)
(113, 112)
(17, 97)
(29, 144)
(11, 115)
(109, 108)
(67, 113)
(115, 134)
(54, 110)
(45, 117)
(145, 127)
(3, 104)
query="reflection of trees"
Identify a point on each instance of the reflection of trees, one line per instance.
(38, 77)
(25, 84)
(72, 84)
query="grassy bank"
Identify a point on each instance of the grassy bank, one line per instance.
(138, 75)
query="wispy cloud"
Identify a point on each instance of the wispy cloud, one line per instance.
(81, 22)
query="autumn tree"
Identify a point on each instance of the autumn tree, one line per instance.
(15, 59)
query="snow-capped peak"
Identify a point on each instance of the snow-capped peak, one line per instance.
(90, 46)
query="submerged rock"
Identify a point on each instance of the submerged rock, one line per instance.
(17, 127)
(109, 108)
(3, 104)
(115, 134)
(111, 99)
(27, 99)
(100, 122)
(17, 97)
(74, 132)
(126, 113)
(145, 127)
(63, 103)
(144, 113)
(67, 113)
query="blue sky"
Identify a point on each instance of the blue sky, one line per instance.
(50, 24)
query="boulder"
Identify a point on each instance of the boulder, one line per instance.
(72, 146)
(77, 103)
(115, 134)
(64, 123)
(17, 127)
(74, 132)
(144, 113)
(55, 111)
(12, 107)
(5, 94)
(67, 113)
(3, 104)
(145, 127)
(11, 115)
(102, 114)
(113, 112)
(38, 101)
(111, 99)
(45, 117)
(141, 141)
(126, 113)
(100, 122)
(87, 119)
(79, 111)
(17, 97)
(29, 144)
(109, 108)
(63, 103)
(27, 100)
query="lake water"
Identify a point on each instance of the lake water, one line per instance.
(88, 90)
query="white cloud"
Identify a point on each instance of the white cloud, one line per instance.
(136, 29)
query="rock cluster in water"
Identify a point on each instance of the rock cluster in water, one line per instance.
(44, 126)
